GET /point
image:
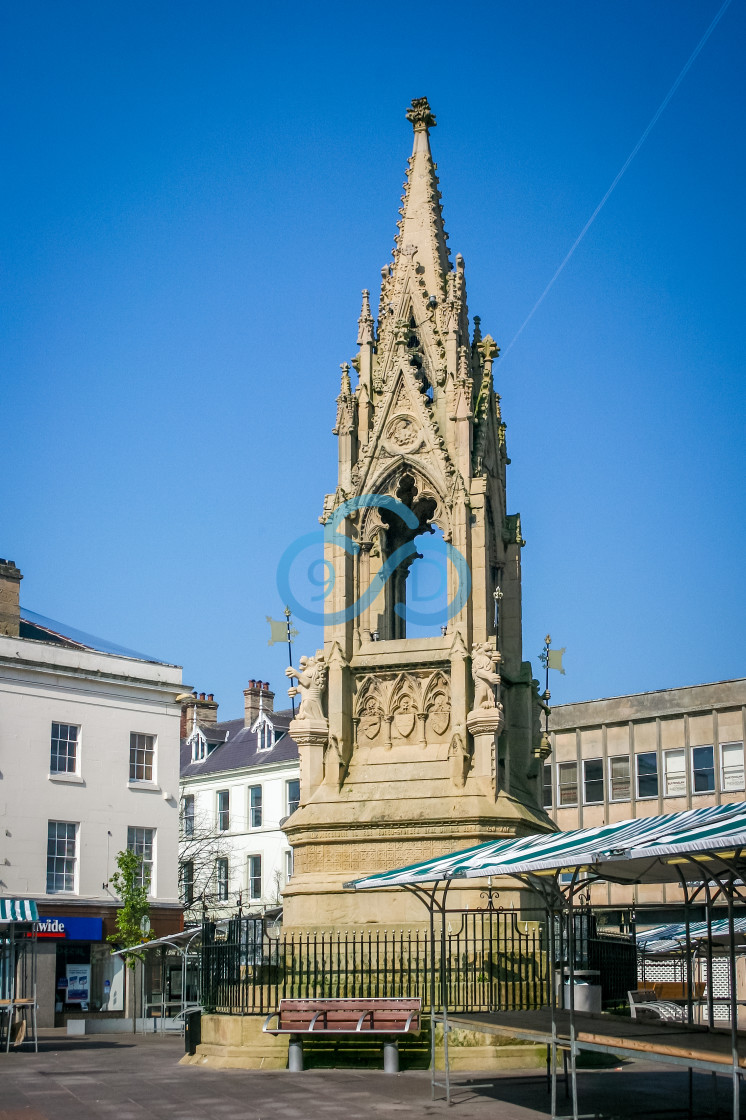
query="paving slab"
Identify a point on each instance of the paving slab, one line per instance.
(131, 1077)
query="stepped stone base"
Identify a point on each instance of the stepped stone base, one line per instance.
(470, 1050)
(238, 1042)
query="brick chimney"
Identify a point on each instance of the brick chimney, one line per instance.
(198, 709)
(257, 690)
(10, 591)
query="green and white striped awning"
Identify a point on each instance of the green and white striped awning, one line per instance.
(646, 850)
(672, 938)
(18, 910)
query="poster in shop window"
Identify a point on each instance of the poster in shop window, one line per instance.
(78, 983)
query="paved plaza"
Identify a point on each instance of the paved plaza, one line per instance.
(132, 1078)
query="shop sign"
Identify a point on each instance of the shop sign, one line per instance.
(70, 929)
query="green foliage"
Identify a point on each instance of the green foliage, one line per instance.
(131, 882)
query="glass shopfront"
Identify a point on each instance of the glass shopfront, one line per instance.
(88, 978)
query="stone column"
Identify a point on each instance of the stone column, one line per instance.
(485, 725)
(312, 737)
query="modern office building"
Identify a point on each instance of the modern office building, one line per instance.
(642, 755)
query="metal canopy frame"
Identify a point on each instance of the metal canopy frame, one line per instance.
(706, 875)
(181, 942)
(18, 964)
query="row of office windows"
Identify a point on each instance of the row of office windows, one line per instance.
(220, 886)
(695, 769)
(66, 747)
(63, 861)
(255, 815)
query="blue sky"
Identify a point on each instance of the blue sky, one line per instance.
(193, 197)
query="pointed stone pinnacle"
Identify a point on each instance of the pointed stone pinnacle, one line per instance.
(365, 322)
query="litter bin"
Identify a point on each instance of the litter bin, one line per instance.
(192, 1031)
(587, 989)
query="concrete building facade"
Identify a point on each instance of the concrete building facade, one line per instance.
(89, 765)
(642, 755)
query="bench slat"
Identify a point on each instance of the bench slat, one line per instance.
(375, 1015)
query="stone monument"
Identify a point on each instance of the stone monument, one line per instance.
(414, 746)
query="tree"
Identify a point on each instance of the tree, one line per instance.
(131, 881)
(201, 845)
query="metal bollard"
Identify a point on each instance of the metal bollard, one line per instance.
(391, 1057)
(295, 1055)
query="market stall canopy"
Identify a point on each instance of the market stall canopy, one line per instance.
(183, 938)
(672, 938)
(698, 843)
(18, 910)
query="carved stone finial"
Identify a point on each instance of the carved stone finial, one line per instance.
(489, 348)
(420, 114)
(346, 386)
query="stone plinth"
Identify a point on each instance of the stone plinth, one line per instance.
(312, 737)
(484, 726)
(238, 1042)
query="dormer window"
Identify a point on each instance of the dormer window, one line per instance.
(198, 743)
(265, 736)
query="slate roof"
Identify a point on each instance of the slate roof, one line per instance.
(39, 628)
(240, 748)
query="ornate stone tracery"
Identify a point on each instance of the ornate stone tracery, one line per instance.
(407, 707)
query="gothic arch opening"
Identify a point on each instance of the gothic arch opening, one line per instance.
(416, 592)
(427, 587)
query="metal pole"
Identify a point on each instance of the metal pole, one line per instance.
(431, 909)
(571, 961)
(733, 1001)
(710, 992)
(687, 924)
(553, 1010)
(290, 650)
(444, 990)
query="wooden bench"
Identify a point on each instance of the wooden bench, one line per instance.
(672, 989)
(364, 1016)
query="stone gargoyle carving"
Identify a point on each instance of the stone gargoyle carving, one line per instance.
(484, 662)
(311, 676)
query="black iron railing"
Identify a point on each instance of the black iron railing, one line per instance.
(491, 962)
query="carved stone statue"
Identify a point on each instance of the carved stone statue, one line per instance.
(459, 757)
(484, 662)
(311, 677)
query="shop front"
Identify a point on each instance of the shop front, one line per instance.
(77, 973)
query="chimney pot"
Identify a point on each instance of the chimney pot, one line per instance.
(198, 709)
(257, 690)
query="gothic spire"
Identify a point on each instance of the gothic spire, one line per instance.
(421, 229)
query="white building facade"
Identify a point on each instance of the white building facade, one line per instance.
(89, 766)
(240, 780)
